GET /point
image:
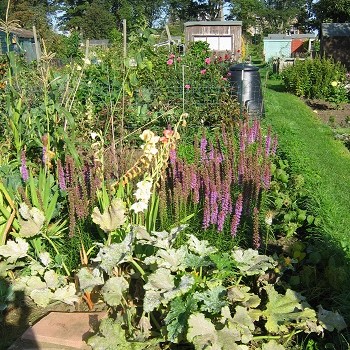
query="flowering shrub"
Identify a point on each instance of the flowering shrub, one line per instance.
(315, 78)
(224, 184)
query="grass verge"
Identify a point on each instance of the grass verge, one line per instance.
(312, 151)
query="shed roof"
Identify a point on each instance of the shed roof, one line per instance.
(213, 23)
(21, 33)
(291, 36)
(335, 29)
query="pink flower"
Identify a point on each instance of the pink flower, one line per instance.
(187, 86)
(170, 61)
(203, 71)
(223, 78)
(171, 56)
(207, 60)
(229, 74)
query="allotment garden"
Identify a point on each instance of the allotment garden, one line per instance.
(134, 183)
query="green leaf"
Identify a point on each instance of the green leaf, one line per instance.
(161, 279)
(213, 299)
(201, 248)
(177, 317)
(283, 311)
(66, 294)
(172, 259)
(89, 278)
(52, 279)
(330, 320)
(31, 221)
(250, 263)
(113, 290)
(41, 297)
(272, 345)
(201, 331)
(14, 251)
(241, 294)
(111, 219)
(115, 254)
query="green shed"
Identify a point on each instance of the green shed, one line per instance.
(20, 41)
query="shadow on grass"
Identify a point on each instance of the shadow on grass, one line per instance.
(276, 85)
(14, 316)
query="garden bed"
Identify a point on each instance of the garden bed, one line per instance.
(331, 114)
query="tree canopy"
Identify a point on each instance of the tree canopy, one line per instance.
(96, 19)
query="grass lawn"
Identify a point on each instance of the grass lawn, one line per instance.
(313, 152)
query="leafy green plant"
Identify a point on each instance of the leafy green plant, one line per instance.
(315, 78)
(193, 294)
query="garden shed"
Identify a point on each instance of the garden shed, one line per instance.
(222, 36)
(285, 46)
(21, 41)
(335, 42)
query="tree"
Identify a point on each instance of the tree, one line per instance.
(272, 16)
(331, 11)
(93, 18)
(186, 10)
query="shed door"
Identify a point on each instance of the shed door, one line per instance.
(216, 43)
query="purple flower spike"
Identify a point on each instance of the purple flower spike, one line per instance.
(61, 176)
(203, 148)
(23, 168)
(268, 143)
(172, 156)
(237, 216)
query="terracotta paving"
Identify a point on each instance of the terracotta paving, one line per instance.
(60, 331)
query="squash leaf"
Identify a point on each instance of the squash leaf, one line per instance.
(31, 220)
(283, 311)
(89, 278)
(111, 219)
(113, 290)
(330, 320)
(14, 250)
(250, 262)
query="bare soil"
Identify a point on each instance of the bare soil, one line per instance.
(330, 114)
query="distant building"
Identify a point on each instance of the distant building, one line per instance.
(287, 46)
(222, 36)
(335, 42)
(20, 41)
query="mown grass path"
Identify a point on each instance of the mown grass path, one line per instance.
(313, 152)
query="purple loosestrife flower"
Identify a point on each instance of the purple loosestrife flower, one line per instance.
(203, 148)
(267, 176)
(172, 156)
(61, 176)
(44, 155)
(23, 168)
(274, 146)
(213, 206)
(211, 152)
(206, 214)
(268, 143)
(221, 220)
(193, 178)
(237, 216)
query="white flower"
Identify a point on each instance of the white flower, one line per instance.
(149, 137)
(94, 135)
(139, 207)
(45, 258)
(79, 67)
(143, 192)
(89, 82)
(86, 61)
(268, 218)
